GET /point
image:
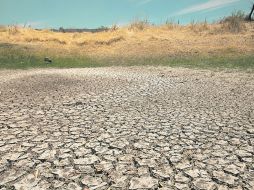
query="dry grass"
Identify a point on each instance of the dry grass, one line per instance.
(171, 25)
(234, 23)
(140, 39)
(13, 30)
(114, 27)
(199, 27)
(227, 44)
(139, 25)
(2, 28)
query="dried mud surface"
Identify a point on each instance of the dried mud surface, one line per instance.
(126, 128)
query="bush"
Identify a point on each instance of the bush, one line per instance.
(234, 23)
(114, 27)
(139, 24)
(13, 30)
(170, 24)
(199, 26)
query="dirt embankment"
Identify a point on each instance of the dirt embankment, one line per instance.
(149, 41)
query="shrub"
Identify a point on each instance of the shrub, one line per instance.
(170, 24)
(199, 26)
(234, 23)
(114, 27)
(139, 24)
(12, 30)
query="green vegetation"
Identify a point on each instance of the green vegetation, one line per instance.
(15, 57)
(22, 58)
(196, 62)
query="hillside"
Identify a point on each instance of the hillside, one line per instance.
(139, 40)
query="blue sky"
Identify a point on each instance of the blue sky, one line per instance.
(95, 13)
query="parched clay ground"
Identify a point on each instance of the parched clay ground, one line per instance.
(126, 128)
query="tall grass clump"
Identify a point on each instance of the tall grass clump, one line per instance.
(139, 24)
(12, 30)
(114, 27)
(234, 23)
(199, 26)
(170, 24)
(204, 25)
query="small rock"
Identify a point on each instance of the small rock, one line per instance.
(224, 178)
(181, 178)
(223, 187)
(10, 175)
(67, 173)
(90, 181)
(175, 159)
(85, 169)
(119, 144)
(74, 186)
(202, 184)
(181, 186)
(164, 173)
(232, 169)
(102, 186)
(183, 165)
(29, 182)
(12, 156)
(87, 160)
(143, 183)
(120, 183)
(47, 155)
(243, 153)
(151, 163)
(104, 166)
(57, 184)
(143, 171)
(250, 131)
(194, 173)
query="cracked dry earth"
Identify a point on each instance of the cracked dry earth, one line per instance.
(126, 128)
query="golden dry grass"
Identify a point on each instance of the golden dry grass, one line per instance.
(165, 40)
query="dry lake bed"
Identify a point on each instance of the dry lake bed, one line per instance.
(126, 128)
